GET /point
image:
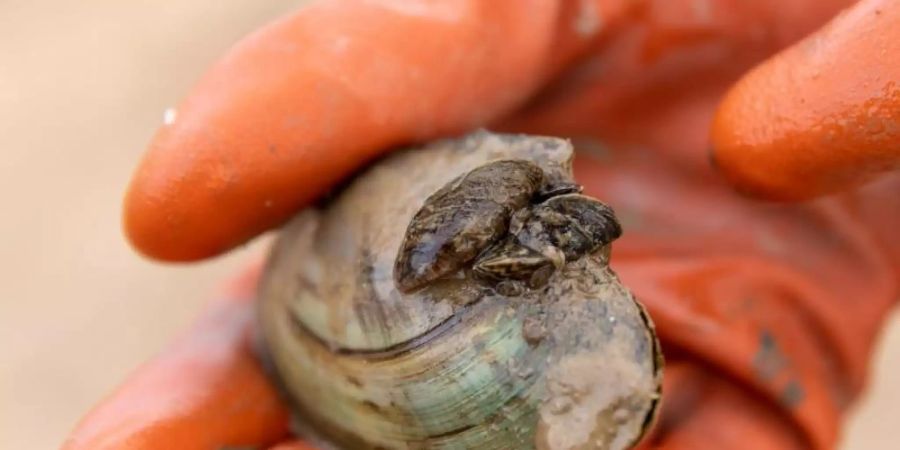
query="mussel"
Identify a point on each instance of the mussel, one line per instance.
(459, 296)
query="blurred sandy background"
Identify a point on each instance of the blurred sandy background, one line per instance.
(83, 84)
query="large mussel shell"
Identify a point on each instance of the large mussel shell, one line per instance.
(454, 364)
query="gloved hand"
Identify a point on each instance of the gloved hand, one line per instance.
(767, 312)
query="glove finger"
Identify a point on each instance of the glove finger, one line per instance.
(302, 103)
(820, 117)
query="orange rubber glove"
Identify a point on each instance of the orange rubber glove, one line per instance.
(767, 312)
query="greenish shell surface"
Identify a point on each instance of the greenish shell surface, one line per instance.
(455, 365)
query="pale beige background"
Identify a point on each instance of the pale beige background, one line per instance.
(82, 86)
